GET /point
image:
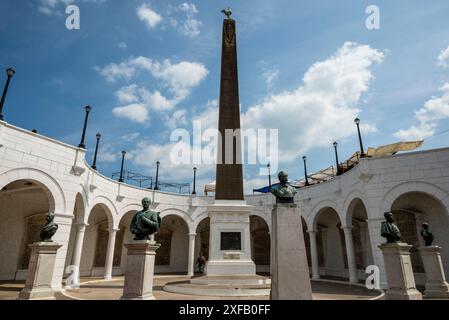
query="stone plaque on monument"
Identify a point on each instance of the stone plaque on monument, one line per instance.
(231, 241)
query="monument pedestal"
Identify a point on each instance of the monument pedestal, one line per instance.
(140, 270)
(230, 246)
(398, 268)
(290, 272)
(436, 285)
(40, 272)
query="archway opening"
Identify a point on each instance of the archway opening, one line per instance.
(95, 243)
(172, 256)
(123, 236)
(260, 243)
(410, 211)
(357, 216)
(202, 240)
(331, 247)
(23, 209)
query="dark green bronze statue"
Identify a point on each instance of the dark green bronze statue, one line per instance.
(145, 222)
(389, 229)
(426, 234)
(284, 192)
(50, 228)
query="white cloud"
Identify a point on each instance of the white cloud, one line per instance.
(136, 112)
(189, 25)
(149, 16)
(433, 110)
(443, 58)
(322, 109)
(177, 119)
(177, 78)
(57, 7)
(270, 76)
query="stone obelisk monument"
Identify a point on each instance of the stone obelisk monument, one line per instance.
(230, 248)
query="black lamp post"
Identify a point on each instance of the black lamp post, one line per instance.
(121, 169)
(194, 181)
(88, 110)
(305, 170)
(156, 187)
(362, 152)
(269, 175)
(94, 165)
(336, 158)
(9, 72)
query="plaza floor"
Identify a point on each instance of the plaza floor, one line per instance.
(99, 289)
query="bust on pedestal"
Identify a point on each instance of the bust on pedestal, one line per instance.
(436, 284)
(42, 265)
(290, 272)
(398, 265)
(141, 255)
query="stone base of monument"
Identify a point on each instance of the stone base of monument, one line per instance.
(40, 272)
(436, 285)
(398, 268)
(290, 272)
(140, 270)
(230, 246)
(222, 286)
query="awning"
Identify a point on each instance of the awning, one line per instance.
(393, 148)
(210, 187)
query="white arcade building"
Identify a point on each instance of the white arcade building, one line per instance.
(341, 217)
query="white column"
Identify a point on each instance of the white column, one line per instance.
(79, 240)
(376, 239)
(110, 254)
(350, 255)
(314, 255)
(191, 260)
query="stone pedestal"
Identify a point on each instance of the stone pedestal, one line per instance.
(398, 268)
(230, 256)
(40, 272)
(290, 272)
(436, 285)
(139, 270)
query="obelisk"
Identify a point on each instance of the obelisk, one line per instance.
(230, 246)
(229, 176)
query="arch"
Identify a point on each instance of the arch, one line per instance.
(198, 219)
(323, 205)
(414, 186)
(50, 186)
(349, 210)
(109, 208)
(261, 214)
(350, 197)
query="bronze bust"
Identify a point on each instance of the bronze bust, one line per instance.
(145, 222)
(50, 228)
(284, 192)
(389, 229)
(426, 234)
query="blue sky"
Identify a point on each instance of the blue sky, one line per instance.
(306, 68)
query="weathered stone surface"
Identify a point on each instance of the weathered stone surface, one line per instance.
(40, 272)
(229, 180)
(398, 268)
(290, 272)
(436, 285)
(140, 270)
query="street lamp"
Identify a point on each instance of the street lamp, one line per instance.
(362, 152)
(88, 109)
(9, 72)
(194, 181)
(156, 187)
(94, 165)
(336, 158)
(304, 158)
(269, 175)
(121, 169)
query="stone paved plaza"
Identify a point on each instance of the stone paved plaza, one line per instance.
(99, 289)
